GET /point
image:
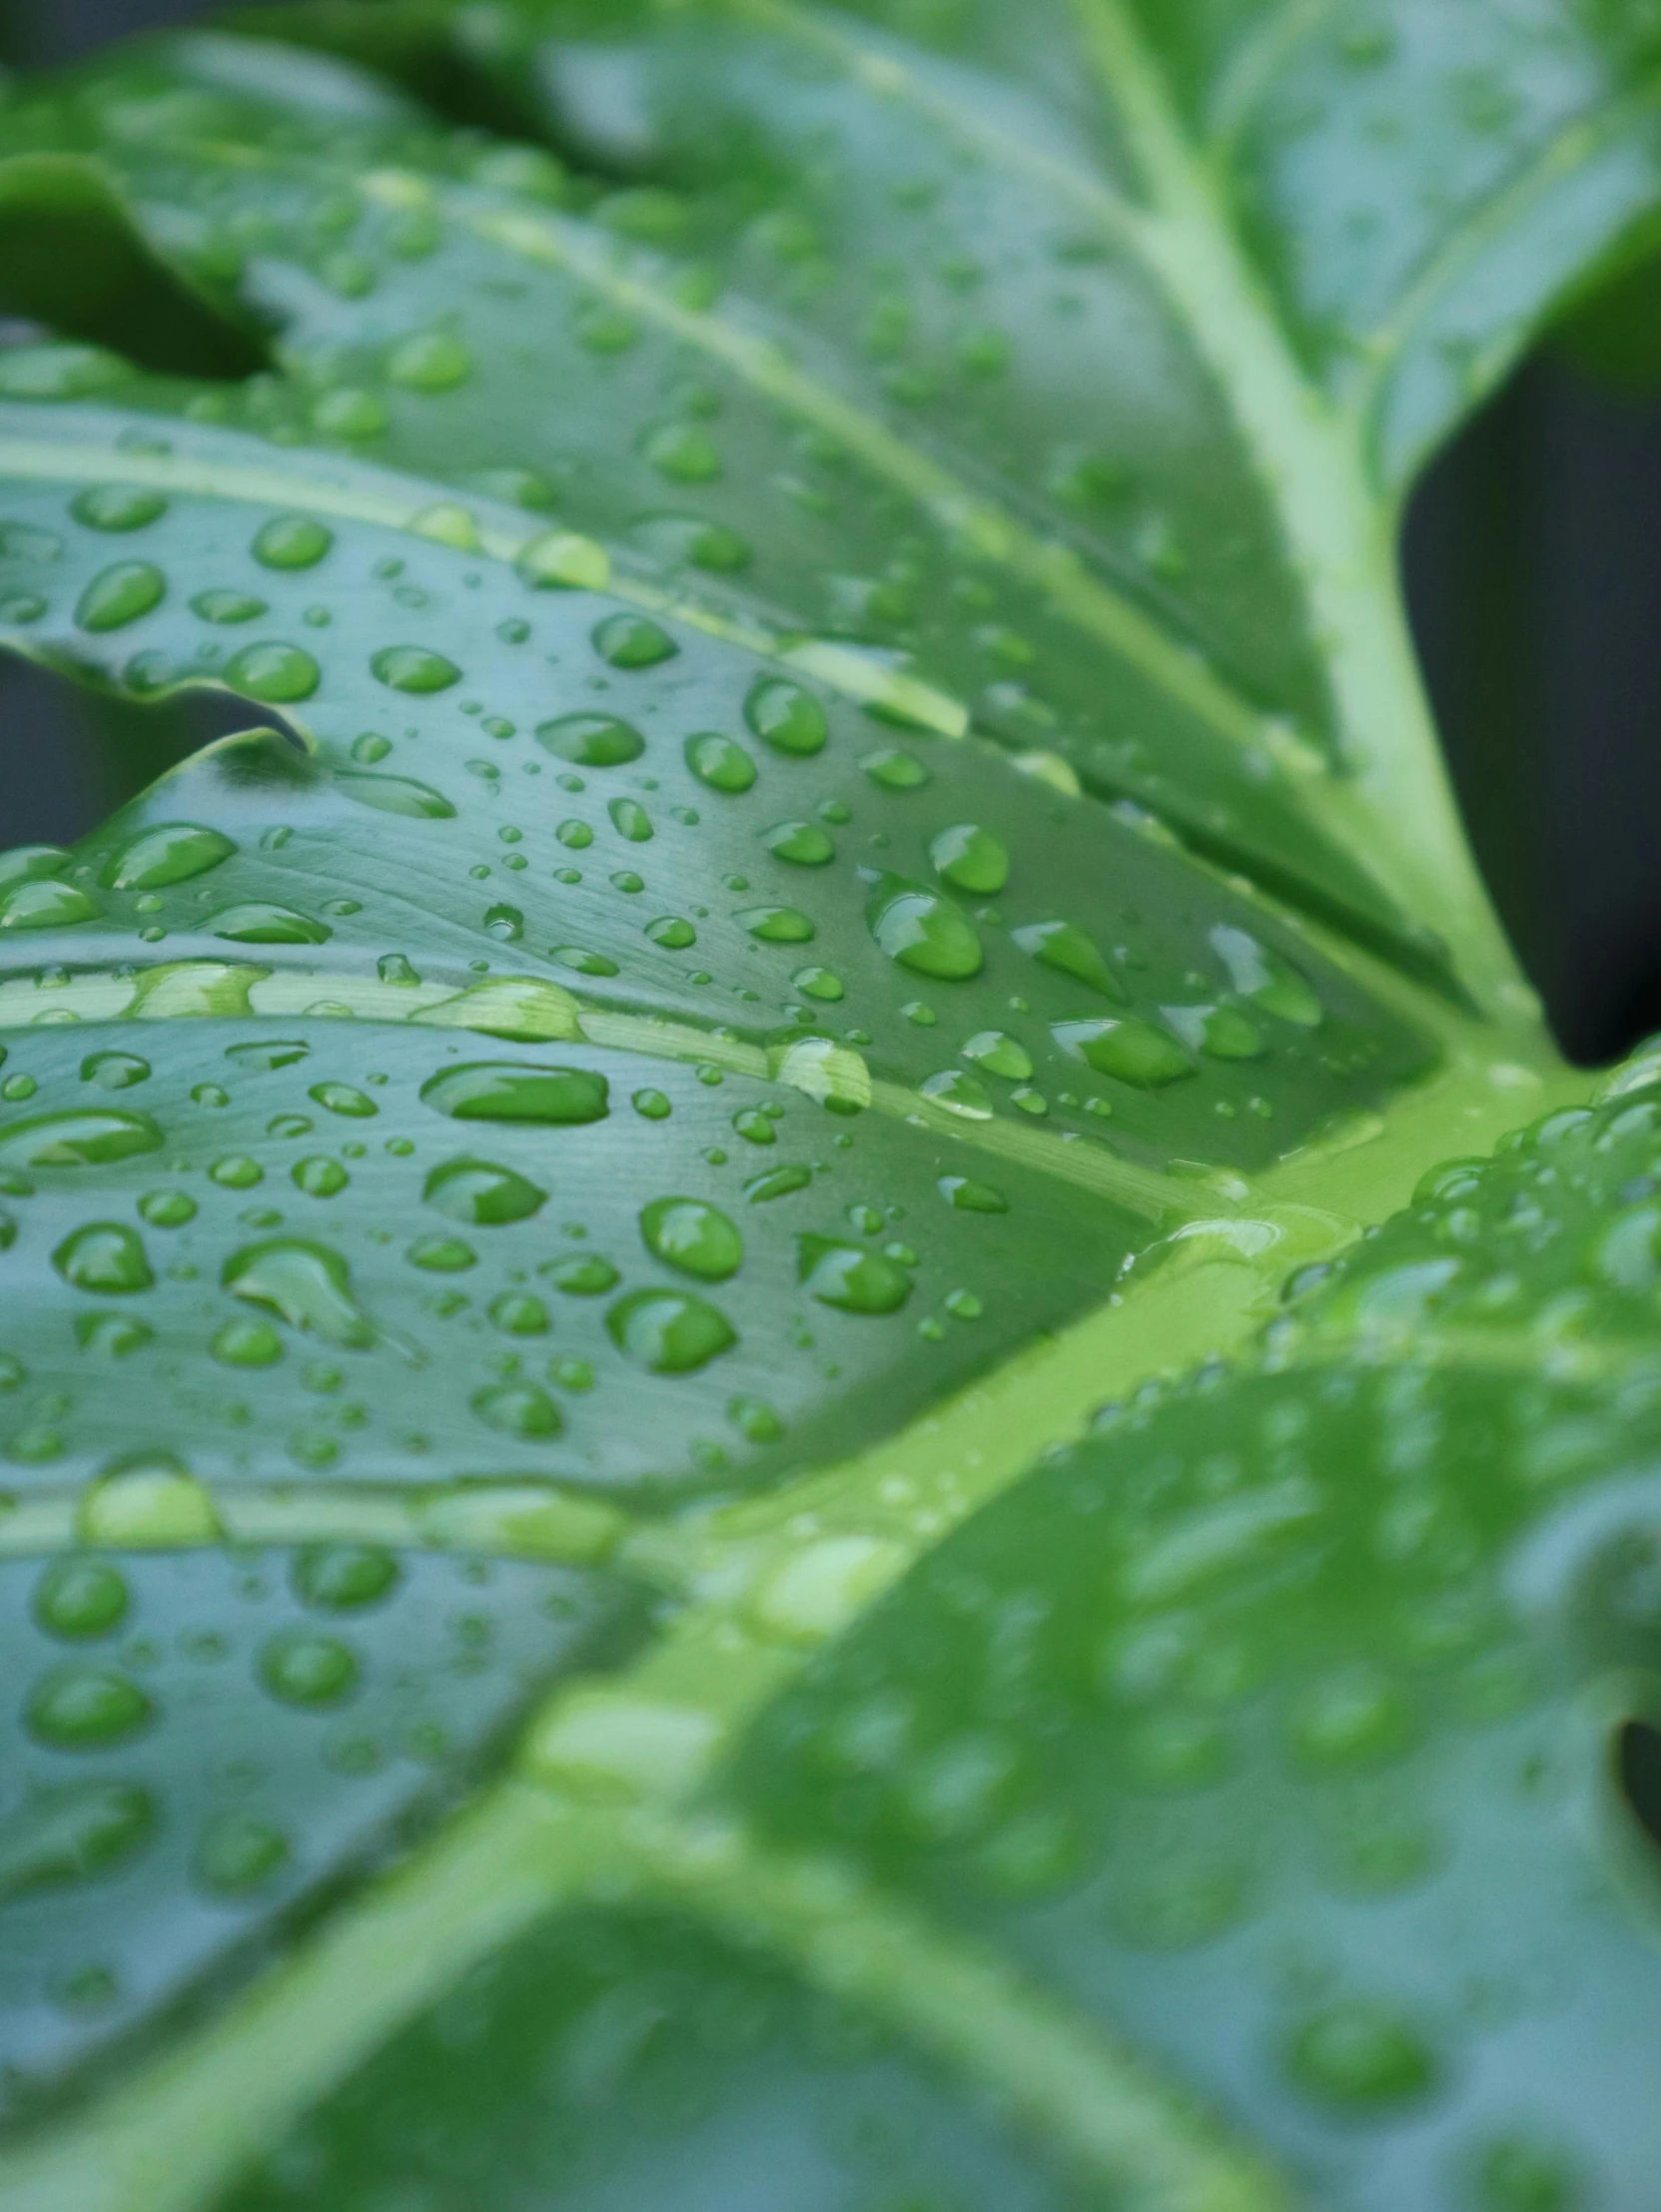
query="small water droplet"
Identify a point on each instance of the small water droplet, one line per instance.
(120, 594)
(849, 1278)
(1064, 946)
(415, 669)
(719, 762)
(802, 844)
(117, 506)
(581, 1276)
(292, 541)
(1134, 1051)
(669, 1332)
(1360, 2057)
(591, 740)
(307, 1669)
(776, 925)
(174, 852)
(508, 1091)
(83, 1709)
(81, 1597)
(518, 1409)
(894, 770)
(95, 1139)
(481, 1193)
(104, 1257)
(787, 718)
(922, 929)
(958, 1093)
(999, 1055)
(303, 1284)
(972, 1197)
(341, 1578)
(239, 1853)
(277, 674)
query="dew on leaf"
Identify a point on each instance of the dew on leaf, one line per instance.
(278, 674)
(292, 541)
(430, 360)
(1064, 946)
(999, 1055)
(894, 770)
(115, 1071)
(719, 762)
(696, 1238)
(923, 930)
(591, 740)
(787, 718)
(43, 904)
(507, 1092)
(1361, 2057)
(630, 820)
(117, 506)
(519, 1410)
(120, 594)
(66, 1835)
(167, 1209)
(849, 1278)
(341, 1578)
(970, 1197)
(78, 1599)
(581, 1276)
(631, 641)
(226, 607)
(305, 1284)
(104, 1257)
(174, 852)
(247, 1344)
(804, 844)
(413, 668)
(776, 925)
(302, 1669)
(669, 1332)
(481, 1193)
(1134, 1051)
(822, 983)
(970, 859)
(85, 1708)
(239, 1853)
(958, 1093)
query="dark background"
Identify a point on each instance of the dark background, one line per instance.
(1533, 568)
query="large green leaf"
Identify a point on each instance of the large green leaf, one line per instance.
(843, 864)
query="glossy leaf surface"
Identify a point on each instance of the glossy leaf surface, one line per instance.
(837, 864)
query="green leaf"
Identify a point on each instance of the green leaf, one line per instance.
(838, 861)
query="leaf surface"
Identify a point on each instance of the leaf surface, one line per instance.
(843, 865)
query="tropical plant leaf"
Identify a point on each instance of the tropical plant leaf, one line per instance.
(849, 866)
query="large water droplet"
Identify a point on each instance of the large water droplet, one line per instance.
(719, 762)
(500, 1090)
(480, 1193)
(669, 1332)
(1000, 1056)
(256, 923)
(119, 596)
(394, 795)
(81, 1597)
(695, 1238)
(631, 641)
(776, 925)
(105, 1257)
(64, 1836)
(804, 844)
(958, 1093)
(591, 740)
(413, 668)
(172, 853)
(44, 904)
(923, 930)
(278, 674)
(89, 1139)
(305, 1284)
(292, 541)
(1220, 1033)
(84, 1709)
(518, 1409)
(894, 770)
(305, 1669)
(1271, 983)
(850, 1277)
(786, 717)
(1064, 946)
(630, 818)
(1134, 1051)
(339, 1577)
(1360, 2057)
(970, 859)
(117, 506)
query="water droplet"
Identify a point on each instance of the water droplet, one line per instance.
(115, 1071)
(59, 372)
(84, 1709)
(228, 607)
(278, 674)
(418, 802)
(117, 506)
(305, 1284)
(339, 1577)
(582, 1275)
(970, 859)
(518, 1313)
(344, 1099)
(1220, 1033)
(480, 1193)
(1360, 2057)
(91, 1139)
(1513, 2175)
(172, 853)
(688, 540)
(822, 983)
(507, 1092)
(922, 929)
(44, 904)
(319, 1176)
(518, 1409)
(999, 1056)
(777, 1183)
(683, 452)
(972, 1197)
(672, 931)
(104, 1257)
(958, 1093)
(292, 541)
(442, 1255)
(669, 1332)
(591, 740)
(849, 1278)
(776, 925)
(247, 1344)
(1134, 1051)
(804, 844)
(631, 641)
(149, 1502)
(719, 762)
(693, 1236)
(652, 1105)
(119, 596)
(413, 668)
(81, 1597)
(583, 962)
(431, 361)
(237, 1854)
(167, 1209)
(64, 1836)
(302, 1669)
(1272, 984)
(630, 818)
(1064, 946)
(236, 1172)
(894, 770)
(787, 718)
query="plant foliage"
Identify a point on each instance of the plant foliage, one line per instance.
(718, 1487)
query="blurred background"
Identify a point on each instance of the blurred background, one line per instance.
(1532, 559)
